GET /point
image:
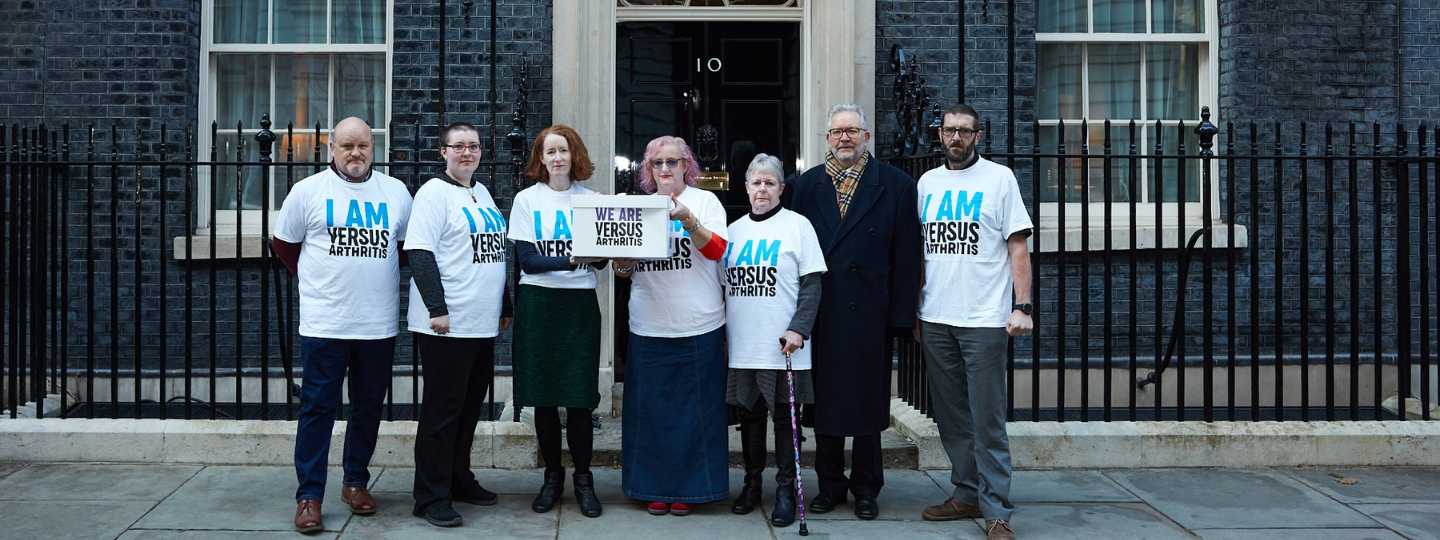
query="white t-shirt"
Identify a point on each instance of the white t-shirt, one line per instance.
(763, 265)
(966, 218)
(543, 216)
(467, 236)
(681, 296)
(349, 262)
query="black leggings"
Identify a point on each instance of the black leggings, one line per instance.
(578, 434)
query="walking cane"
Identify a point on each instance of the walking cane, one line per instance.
(795, 442)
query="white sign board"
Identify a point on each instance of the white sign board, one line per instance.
(616, 226)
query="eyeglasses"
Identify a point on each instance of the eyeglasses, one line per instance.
(839, 133)
(463, 147)
(956, 132)
(660, 164)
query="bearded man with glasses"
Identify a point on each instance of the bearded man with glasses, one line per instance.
(864, 216)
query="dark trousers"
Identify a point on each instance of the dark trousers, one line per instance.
(457, 373)
(578, 432)
(369, 363)
(867, 475)
(752, 443)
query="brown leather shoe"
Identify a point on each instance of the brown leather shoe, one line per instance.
(358, 499)
(950, 510)
(998, 529)
(307, 517)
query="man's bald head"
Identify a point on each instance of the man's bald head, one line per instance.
(352, 147)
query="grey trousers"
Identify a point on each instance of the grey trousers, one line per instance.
(966, 372)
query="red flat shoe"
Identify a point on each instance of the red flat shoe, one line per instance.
(658, 508)
(679, 509)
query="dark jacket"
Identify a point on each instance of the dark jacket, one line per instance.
(870, 292)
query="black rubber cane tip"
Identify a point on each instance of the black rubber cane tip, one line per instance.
(804, 531)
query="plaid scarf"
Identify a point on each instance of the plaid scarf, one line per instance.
(846, 179)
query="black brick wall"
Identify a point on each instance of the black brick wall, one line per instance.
(134, 64)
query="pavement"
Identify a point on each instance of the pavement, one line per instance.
(128, 501)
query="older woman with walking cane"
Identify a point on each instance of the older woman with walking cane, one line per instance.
(772, 285)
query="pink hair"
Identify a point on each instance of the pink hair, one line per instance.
(692, 168)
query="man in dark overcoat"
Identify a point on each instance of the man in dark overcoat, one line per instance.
(864, 214)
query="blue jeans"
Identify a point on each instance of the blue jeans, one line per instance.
(370, 363)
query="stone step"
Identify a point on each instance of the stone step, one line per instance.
(897, 452)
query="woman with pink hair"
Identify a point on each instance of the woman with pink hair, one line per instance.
(674, 445)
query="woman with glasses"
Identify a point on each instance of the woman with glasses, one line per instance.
(674, 445)
(557, 317)
(456, 247)
(772, 285)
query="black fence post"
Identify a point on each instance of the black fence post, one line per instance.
(264, 142)
(1205, 133)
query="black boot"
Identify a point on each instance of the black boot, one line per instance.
(550, 491)
(585, 494)
(752, 448)
(784, 512)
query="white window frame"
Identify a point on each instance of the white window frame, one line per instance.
(225, 220)
(1209, 77)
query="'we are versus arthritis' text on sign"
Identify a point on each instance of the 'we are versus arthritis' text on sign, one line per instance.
(630, 226)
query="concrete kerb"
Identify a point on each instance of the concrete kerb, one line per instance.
(1072, 445)
(506, 445)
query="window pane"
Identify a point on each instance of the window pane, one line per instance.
(1120, 16)
(358, 22)
(300, 21)
(1119, 162)
(1049, 167)
(227, 148)
(1171, 167)
(382, 151)
(240, 21)
(360, 87)
(1172, 81)
(302, 87)
(1062, 16)
(242, 89)
(300, 148)
(1177, 16)
(1057, 90)
(1114, 81)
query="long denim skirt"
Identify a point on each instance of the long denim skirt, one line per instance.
(674, 445)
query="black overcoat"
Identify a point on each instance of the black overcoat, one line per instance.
(870, 292)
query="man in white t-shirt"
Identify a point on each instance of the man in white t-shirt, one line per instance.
(974, 227)
(340, 232)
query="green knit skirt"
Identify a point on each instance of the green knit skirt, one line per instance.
(556, 347)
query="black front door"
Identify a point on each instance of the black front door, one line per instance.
(737, 82)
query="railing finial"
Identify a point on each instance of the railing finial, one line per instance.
(1206, 132)
(265, 138)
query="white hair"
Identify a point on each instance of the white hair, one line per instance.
(765, 163)
(848, 107)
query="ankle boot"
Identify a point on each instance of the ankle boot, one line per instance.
(550, 491)
(784, 512)
(585, 494)
(752, 448)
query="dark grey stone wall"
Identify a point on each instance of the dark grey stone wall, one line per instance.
(133, 64)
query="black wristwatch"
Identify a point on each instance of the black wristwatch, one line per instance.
(1025, 308)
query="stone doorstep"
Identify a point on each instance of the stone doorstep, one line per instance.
(1057, 445)
(504, 445)
(511, 445)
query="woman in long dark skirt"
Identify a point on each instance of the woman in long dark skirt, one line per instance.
(674, 442)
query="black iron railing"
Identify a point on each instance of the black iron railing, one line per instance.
(1307, 270)
(109, 303)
